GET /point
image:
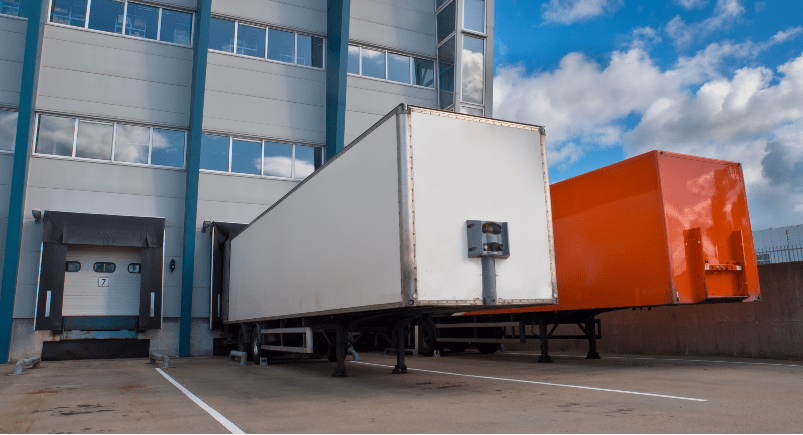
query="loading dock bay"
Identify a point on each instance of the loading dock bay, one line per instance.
(467, 392)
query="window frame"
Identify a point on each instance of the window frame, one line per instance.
(13, 144)
(114, 142)
(261, 174)
(411, 61)
(125, 15)
(484, 20)
(268, 28)
(19, 11)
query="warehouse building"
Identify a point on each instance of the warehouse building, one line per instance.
(779, 245)
(130, 132)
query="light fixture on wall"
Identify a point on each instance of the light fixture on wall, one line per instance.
(206, 226)
(37, 215)
(172, 264)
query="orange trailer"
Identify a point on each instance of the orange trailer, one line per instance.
(657, 229)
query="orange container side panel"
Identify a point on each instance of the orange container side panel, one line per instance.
(638, 233)
(708, 225)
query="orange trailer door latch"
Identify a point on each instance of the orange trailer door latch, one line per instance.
(720, 282)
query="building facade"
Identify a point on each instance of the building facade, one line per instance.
(126, 127)
(779, 245)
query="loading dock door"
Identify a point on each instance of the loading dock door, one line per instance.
(95, 291)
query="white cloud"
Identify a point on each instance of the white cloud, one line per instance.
(690, 4)
(726, 13)
(753, 115)
(573, 11)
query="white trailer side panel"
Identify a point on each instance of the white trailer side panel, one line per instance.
(470, 169)
(332, 244)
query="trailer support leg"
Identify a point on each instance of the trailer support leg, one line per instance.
(592, 339)
(340, 352)
(401, 338)
(543, 334)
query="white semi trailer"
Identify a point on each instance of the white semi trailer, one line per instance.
(428, 212)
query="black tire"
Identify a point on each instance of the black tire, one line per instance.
(243, 340)
(427, 338)
(256, 345)
(457, 347)
(487, 347)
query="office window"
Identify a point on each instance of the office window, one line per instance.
(110, 141)
(354, 60)
(373, 63)
(250, 40)
(446, 21)
(245, 157)
(11, 7)
(446, 61)
(69, 12)
(471, 110)
(399, 68)
(142, 21)
(306, 160)
(55, 135)
(176, 27)
(94, 140)
(473, 69)
(281, 45)
(310, 51)
(278, 160)
(221, 35)
(474, 15)
(424, 71)
(132, 144)
(215, 152)
(167, 148)
(8, 130)
(107, 15)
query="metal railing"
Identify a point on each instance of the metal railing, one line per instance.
(779, 254)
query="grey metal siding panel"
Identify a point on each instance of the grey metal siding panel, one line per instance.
(264, 118)
(233, 189)
(182, 4)
(305, 15)
(396, 26)
(369, 100)
(264, 99)
(94, 74)
(12, 35)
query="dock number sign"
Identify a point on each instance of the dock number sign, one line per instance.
(103, 282)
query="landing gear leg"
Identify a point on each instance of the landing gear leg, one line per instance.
(340, 352)
(401, 338)
(592, 339)
(543, 333)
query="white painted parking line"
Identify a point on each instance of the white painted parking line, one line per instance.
(670, 359)
(540, 383)
(216, 415)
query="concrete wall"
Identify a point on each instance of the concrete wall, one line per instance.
(770, 328)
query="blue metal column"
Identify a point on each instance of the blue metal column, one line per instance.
(36, 13)
(337, 48)
(202, 16)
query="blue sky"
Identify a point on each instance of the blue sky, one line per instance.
(615, 78)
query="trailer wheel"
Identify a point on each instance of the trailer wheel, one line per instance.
(427, 338)
(256, 345)
(457, 347)
(487, 347)
(243, 340)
